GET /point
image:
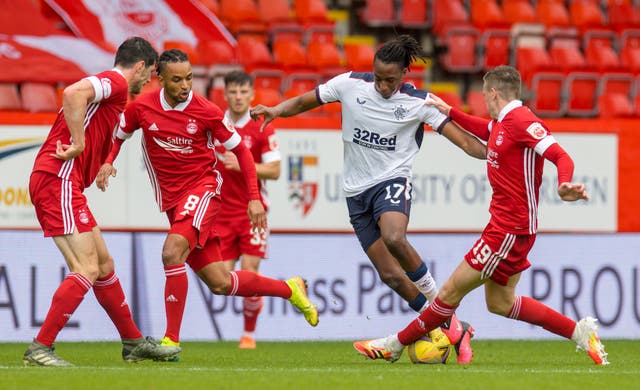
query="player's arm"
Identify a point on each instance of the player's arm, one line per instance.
(465, 141)
(255, 210)
(473, 124)
(267, 170)
(75, 99)
(290, 107)
(567, 190)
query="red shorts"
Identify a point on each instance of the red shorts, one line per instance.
(193, 219)
(238, 237)
(499, 255)
(60, 205)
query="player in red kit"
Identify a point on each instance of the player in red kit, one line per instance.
(179, 131)
(518, 142)
(67, 163)
(238, 239)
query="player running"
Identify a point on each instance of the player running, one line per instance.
(179, 130)
(518, 144)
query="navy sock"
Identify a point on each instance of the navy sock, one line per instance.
(418, 302)
(418, 273)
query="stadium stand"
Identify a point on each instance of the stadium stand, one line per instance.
(38, 97)
(9, 97)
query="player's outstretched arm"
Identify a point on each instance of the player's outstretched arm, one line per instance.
(290, 107)
(102, 179)
(572, 191)
(465, 141)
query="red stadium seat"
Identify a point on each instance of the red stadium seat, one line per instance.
(487, 14)
(253, 53)
(461, 55)
(585, 14)
(185, 47)
(241, 16)
(519, 11)
(623, 15)
(495, 47)
(553, 13)
(599, 50)
(617, 83)
(274, 12)
(582, 94)
(379, 13)
(615, 105)
(359, 57)
(268, 78)
(452, 98)
(298, 83)
(9, 97)
(215, 52)
(547, 90)
(447, 13)
(216, 95)
(414, 14)
(38, 97)
(530, 60)
(324, 57)
(309, 12)
(477, 105)
(290, 55)
(267, 96)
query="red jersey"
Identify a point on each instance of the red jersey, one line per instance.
(100, 122)
(178, 142)
(264, 149)
(515, 145)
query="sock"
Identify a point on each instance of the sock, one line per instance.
(175, 297)
(64, 303)
(419, 303)
(109, 294)
(436, 314)
(537, 313)
(251, 307)
(423, 280)
(250, 284)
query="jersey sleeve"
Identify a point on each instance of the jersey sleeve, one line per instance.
(104, 86)
(331, 91)
(269, 146)
(535, 135)
(225, 133)
(129, 122)
(431, 116)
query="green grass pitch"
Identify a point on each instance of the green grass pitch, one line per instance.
(498, 364)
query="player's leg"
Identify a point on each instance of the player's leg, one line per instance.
(109, 293)
(251, 306)
(174, 252)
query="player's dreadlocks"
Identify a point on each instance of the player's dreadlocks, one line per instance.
(171, 56)
(401, 50)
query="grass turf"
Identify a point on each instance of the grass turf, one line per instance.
(498, 364)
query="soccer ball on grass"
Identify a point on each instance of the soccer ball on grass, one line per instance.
(433, 348)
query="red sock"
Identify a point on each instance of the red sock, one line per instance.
(65, 301)
(175, 296)
(537, 313)
(435, 315)
(250, 284)
(109, 294)
(251, 307)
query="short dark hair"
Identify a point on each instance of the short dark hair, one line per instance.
(238, 77)
(506, 81)
(171, 56)
(133, 50)
(401, 50)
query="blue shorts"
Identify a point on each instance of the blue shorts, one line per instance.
(365, 208)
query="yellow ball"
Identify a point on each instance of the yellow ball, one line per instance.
(434, 348)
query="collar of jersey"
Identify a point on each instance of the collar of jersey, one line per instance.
(180, 107)
(242, 122)
(506, 109)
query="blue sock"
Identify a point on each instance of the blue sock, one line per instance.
(418, 302)
(418, 273)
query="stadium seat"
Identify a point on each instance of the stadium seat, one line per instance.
(359, 57)
(461, 50)
(311, 12)
(290, 55)
(414, 14)
(617, 82)
(298, 83)
(215, 53)
(581, 89)
(532, 59)
(477, 105)
(253, 53)
(615, 105)
(599, 48)
(9, 97)
(448, 13)
(267, 96)
(324, 57)
(186, 47)
(623, 15)
(216, 95)
(415, 77)
(487, 14)
(519, 11)
(275, 12)
(528, 49)
(547, 94)
(553, 13)
(585, 14)
(379, 13)
(319, 33)
(241, 16)
(452, 98)
(564, 49)
(286, 32)
(268, 78)
(494, 48)
(38, 97)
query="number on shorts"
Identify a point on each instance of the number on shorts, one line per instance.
(482, 252)
(190, 204)
(398, 189)
(258, 237)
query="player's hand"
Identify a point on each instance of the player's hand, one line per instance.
(67, 152)
(268, 113)
(572, 191)
(102, 179)
(257, 214)
(230, 161)
(435, 101)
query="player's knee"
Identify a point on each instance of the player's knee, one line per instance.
(91, 272)
(394, 241)
(391, 279)
(171, 255)
(219, 284)
(498, 307)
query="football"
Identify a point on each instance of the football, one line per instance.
(434, 348)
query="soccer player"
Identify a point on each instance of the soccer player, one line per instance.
(179, 130)
(67, 163)
(518, 144)
(238, 239)
(382, 131)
